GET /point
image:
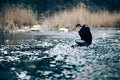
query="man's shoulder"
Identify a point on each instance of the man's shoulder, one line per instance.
(86, 27)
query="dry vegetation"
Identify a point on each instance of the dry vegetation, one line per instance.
(17, 17)
(83, 16)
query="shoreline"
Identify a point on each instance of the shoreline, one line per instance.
(49, 30)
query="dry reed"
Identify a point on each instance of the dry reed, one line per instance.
(83, 16)
(18, 16)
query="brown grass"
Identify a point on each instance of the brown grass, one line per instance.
(83, 16)
(18, 17)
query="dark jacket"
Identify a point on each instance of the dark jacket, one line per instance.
(85, 34)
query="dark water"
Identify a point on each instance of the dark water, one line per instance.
(49, 56)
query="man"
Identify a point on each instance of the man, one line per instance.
(85, 34)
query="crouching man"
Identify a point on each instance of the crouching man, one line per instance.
(85, 34)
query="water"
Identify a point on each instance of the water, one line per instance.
(49, 56)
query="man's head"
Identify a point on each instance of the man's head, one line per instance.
(78, 27)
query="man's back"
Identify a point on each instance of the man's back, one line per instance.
(85, 34)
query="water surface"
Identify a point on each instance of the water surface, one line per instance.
(49, 56)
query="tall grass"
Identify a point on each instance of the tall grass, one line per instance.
(18, 16)
(82, 15)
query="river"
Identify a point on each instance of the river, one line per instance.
(49, 56)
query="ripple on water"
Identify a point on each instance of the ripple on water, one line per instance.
(56, 59)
